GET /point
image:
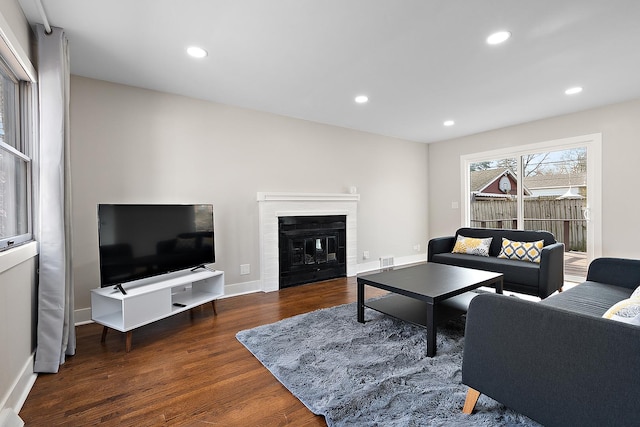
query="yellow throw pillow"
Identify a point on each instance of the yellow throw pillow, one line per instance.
(521, 251)
(472, 246)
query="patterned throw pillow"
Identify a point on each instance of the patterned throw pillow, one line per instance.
(472, 246)
(521, 251)
(627, 311)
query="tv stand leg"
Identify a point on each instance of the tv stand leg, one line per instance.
(128, 338)
(213, 304)
(128, 341)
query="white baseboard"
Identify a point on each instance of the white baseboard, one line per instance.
(399, 261)
(82, 316)
(236, 289)
(20, 390)
(8, 418)
(368, 266)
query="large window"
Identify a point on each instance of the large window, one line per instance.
(15, 165)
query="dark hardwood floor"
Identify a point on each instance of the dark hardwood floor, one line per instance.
(182, 371)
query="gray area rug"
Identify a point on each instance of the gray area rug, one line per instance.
(376, 374)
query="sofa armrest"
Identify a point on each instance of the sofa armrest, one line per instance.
(555, 366)
(551, 269)
(439, 245)
(615, 271)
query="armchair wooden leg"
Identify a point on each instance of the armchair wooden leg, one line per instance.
(471, 400)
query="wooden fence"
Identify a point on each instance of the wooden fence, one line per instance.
(563, 218)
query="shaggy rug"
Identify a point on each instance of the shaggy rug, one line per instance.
(376, 374)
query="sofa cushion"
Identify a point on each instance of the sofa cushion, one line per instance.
(472, 246)
(525, 273)
(521, 251)
(592, 298)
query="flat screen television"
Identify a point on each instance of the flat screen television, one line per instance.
(140, 241)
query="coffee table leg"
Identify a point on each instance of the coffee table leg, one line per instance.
(431, 330)
(499, 286)
(360, 302)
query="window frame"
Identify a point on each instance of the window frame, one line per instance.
(593, 144)
(22, 129)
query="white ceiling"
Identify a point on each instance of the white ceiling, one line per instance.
(421, 62)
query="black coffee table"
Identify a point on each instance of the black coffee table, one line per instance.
(425, 294)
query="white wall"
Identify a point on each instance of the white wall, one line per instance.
(17, 324)
(14, 17)
(131, 145)
(17, 272)
(620, 130)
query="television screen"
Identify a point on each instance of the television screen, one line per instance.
(138, 241)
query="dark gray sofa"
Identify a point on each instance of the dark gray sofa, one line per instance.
(558, 361)
(529, 278)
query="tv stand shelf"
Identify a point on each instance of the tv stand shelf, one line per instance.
(152, 299)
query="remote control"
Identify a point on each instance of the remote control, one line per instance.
(178, 304)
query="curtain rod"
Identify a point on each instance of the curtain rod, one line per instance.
(43, 15)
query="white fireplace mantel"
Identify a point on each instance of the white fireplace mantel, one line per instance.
(273, 205)
(307, 197)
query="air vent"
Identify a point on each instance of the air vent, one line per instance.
(386, 261)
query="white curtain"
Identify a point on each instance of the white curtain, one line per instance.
(55, 331)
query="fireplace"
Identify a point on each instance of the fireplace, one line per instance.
(311, 248)
(275, 205)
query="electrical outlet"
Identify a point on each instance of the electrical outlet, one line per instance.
(245, 269)
(416, 247)
(365, 255)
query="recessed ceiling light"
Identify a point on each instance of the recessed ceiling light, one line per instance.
(449, 123)
(499, 37)
(196, 52)
(573, 90)
(361, 99)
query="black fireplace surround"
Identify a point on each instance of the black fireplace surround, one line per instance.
(311, 248)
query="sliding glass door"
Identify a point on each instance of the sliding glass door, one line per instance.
(494, 193)
(543, 187)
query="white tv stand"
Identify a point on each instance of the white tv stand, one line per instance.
(152, 299)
